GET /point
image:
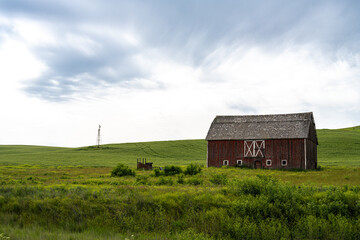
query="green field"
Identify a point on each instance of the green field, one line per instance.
(68, 193)
(161, 153)
(339, 147)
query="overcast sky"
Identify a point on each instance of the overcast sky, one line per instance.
(162, 70)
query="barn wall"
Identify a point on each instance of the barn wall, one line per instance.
(312, 133)
(224, 150)
(311, 155)
(291, 150)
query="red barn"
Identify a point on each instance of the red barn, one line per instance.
(281, 141)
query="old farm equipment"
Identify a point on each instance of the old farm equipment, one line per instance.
(142, 164)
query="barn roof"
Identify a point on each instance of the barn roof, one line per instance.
(252, 127)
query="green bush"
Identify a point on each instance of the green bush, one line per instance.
(252, 208)
(142, 180)
(243, 166)
(192, 234)
(180, 179)
(158, 172)
(3, 237)
(165, 181)
(172, 170)
(168, 171)
(193, 169)
(122, 170)
(219, 179)
(195, 181)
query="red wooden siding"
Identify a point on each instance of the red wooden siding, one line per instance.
(311, 155)
(291, 150)
(218, 151)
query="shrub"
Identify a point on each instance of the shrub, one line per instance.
(195, 181)
(142, 180)
(192, 234)
(192, 169)
(164, 181)
(319, 168)
(122, 170)
(3, 237)
(180, 179)
(158, 172)
(243, 166)
(247, 186)
(219, 179)
(172, 170)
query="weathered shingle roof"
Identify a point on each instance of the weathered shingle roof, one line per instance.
(252, 127)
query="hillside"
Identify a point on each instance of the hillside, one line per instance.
(339, 147)
(180, 152)
(336, 148)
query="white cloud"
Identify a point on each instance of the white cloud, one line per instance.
(292, 81)
(17, 65)
(34, 33)
(287, 80)
(157, 80)
(82, 43)
(122, 35)
(179, 101)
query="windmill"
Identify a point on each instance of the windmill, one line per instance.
(98, 140)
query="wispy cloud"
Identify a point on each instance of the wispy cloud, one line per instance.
(179, 63)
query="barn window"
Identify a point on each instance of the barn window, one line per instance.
(239, 162)
(254, 148)
(283, 162)
(226, 162)
(268, 162)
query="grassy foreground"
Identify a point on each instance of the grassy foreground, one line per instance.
(67, 193)
(225, 203)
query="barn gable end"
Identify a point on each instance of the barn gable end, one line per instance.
(266, 141)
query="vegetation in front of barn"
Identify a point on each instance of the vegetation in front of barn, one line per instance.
(215, 203)
(64, 193)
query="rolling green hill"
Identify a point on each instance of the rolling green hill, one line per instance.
(161, 153)
(339, 147)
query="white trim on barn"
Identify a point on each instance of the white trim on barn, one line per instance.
(253, 148)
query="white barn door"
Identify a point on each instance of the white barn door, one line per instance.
(254, 148)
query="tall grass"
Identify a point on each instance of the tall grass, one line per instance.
(253, 208)
(54, 193)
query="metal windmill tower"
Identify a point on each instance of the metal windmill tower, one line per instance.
(98, 140)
